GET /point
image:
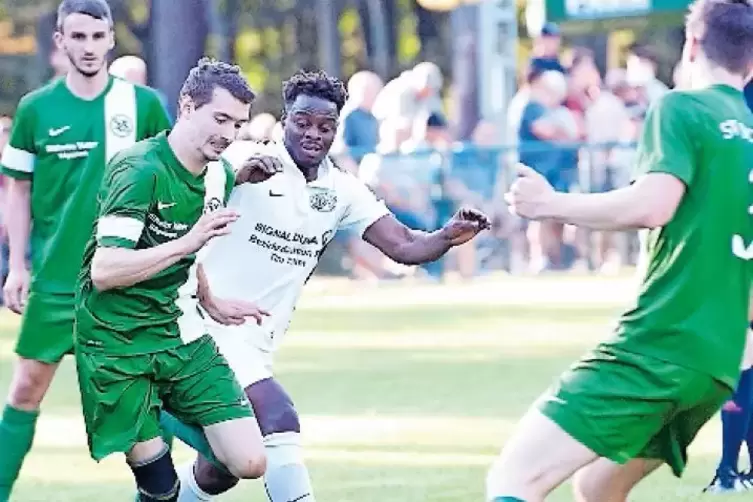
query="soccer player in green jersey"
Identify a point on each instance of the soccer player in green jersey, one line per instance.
(638, 400)
(139, 348)
(62, 136)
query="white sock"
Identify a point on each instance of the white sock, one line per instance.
(287, 478)
(189, 488)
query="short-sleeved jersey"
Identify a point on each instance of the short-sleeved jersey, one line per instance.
(285, 225)
(692, 309)
(147, 199)
(61, 143)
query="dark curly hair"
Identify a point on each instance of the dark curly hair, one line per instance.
(315, 84)
(209, 74)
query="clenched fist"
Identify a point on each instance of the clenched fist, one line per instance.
(530, 195)
(258, 168)
(465, 225)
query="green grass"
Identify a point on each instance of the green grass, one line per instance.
(406, 392)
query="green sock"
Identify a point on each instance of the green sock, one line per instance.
(508, 499)
(16, 435)
(192, 435)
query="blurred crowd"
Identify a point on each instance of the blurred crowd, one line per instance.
(568, 121)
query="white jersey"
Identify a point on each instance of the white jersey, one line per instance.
(284, 226)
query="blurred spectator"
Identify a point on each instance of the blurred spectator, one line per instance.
(546, 49)
(359, 128)
(415, 92)
(59, 62)
(608, 124)
(5, 126)
(642, 66)
(260, 128)
(541, 129)
(133, 69)
(129, 68)
(429, 133)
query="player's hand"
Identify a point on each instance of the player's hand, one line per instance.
(16, 290)
(465, 225)
(233, 312)
(258, 168)
(529, 195)
(209, 226)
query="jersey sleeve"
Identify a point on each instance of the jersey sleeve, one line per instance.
(364, 209)
(157, 119)
(19, 155)
(666, 145)
(125, 198)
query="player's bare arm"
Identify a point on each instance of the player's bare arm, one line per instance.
(226, 312)
(648, 203)
(413, 247)
(18, 227)
(119, 267)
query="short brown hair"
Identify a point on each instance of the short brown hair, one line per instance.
(725, 29)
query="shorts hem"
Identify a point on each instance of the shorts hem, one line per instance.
(124, 447)
(558, 415)
(224, 416)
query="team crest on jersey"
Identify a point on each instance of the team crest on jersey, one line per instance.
(323, 200)
(121, 125)
(212, 204)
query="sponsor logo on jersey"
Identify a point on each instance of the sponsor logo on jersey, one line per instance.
(164, 205)
(212, 204)
(57, 132)
(121, 125)
(323, 200)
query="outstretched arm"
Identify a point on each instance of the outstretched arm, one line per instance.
(414, 247)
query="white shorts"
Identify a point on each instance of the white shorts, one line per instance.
(250, 362)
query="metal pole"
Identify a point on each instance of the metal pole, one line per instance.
(329, 37)
(378, 27)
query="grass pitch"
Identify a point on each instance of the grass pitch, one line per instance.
(406, 392)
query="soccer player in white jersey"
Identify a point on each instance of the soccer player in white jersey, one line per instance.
(286, 222)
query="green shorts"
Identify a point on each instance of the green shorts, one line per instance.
(122, 396)
(47, 327)
(623, 406)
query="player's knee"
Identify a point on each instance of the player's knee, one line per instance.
(273, 408)
(156, 478)
(211, 479)
(248, 465)
(31, 379)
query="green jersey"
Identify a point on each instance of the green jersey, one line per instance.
(61, 143)
(147, 199)
(692, 309)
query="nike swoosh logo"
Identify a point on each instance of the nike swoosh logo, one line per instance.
(273, 194)
(164, 205)
(58, 131)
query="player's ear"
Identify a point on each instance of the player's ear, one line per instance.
(185, 105)
(57, 37)
(111, 45)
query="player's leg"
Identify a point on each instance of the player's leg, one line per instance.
(45, 337)
(286, 477)
(607, 481)
(736, 419)
(523, 472)
(584, 419)
(120, 403)
(204, 391)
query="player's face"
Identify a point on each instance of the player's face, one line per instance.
(86, 42)
(310, 126)
(216, 124)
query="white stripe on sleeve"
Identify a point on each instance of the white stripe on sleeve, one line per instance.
(17, 159)
(121, 227)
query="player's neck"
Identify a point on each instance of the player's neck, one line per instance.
(85, 87)
(706, 75)
(189, 157)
